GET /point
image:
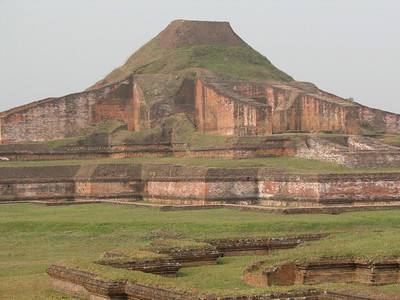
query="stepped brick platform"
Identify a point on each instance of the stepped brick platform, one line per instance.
(85, 284)
(272, 146)
(261, 246)
(161, 266)
(351, 151)
(325, 271)
(185, 185)
(278, 210)
(193, 257)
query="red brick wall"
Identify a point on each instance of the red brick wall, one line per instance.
(323, 189)
(54, 119)
(294, 109)
(196, 185)
(226, 115)
(64, 117)
(381, 120)
(126, 103)
(67, 116)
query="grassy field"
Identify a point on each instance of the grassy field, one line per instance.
(33, 237)
(287, 164)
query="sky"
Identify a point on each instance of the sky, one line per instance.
(51, 48)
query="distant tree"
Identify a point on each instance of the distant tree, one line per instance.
(350, 99)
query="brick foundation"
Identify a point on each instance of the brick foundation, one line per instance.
(175, 184)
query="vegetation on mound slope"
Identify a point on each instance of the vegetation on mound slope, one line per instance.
(179, 129)
(391, 139)
(236, 61)
(34, 237)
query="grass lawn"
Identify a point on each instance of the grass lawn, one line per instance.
(33, 237)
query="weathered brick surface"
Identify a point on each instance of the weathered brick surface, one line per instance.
(193, 257)
(160, 266)
(126, 102)
(260, 246)
(381, 120)
(216, 104)
(351, 151)
(304, 189)
(196, 185)
(65, 116)
(222, 114)
(89, 285)
(37, 183)
(325, 271)
(85, 284)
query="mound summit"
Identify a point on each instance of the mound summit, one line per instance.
(181, 33)
(185, 44)
(197, 75)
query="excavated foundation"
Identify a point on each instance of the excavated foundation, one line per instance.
(261, 246)
(163, 267)
(193, 257)
(90, 285)
(325, 271)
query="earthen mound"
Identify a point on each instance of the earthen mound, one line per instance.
(181, 33)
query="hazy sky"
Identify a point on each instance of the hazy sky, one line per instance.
(347, 47)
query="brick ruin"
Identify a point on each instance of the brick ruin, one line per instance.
(213, 103)
(339, 270)
(175, 184)
(216, 104)
(91, 285)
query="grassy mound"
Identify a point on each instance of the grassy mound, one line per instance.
(237, 61)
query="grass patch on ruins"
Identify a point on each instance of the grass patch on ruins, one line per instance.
(391, 139)
(237, 61)
(32, 237)
(61, 142)
(367, 246)
(286, 164)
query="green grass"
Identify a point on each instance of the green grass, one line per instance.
(287, 164)
(32, 237)
(373, 246)
(130, 256)
(169, 244)
(106, 126)
(61, 142)
(367, 128)
(241, 61)
(391, 139)
(138, 137)
(182, 131)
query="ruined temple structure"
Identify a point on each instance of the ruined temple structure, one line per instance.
(186, 69)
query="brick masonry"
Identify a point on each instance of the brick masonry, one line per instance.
(79, 282)
(177, 184)
(216, 104)
(324, 271)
